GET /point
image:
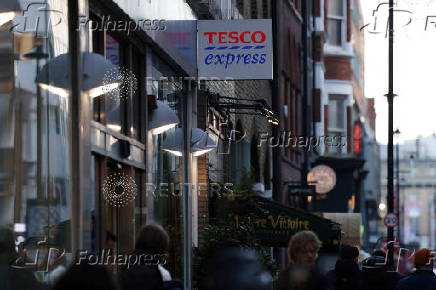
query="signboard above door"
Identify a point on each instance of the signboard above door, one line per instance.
(235, 49)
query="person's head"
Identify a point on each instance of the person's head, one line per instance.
(85, 277)
(152, 239)
(303, 247)
(423, 259)
(349, 253)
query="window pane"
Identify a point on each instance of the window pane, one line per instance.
(167, 168)
(335, 7)
(135, 130)
(334, 33)
(35, 177)
(113, 113)
(336, 113)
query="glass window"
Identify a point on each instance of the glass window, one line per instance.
(335, 20)
(35, 178)
(113, 99)
(98, 46)
(168, 168)
(336, 119)
(137, 103)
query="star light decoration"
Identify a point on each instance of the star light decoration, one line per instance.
(129, 83)
(119, 189)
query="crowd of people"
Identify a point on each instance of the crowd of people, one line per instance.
(348, 274)
(232, 267)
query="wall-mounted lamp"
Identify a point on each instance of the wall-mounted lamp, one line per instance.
(54, 76)
(230, 105)
(8, 10)
(162, 118)
(201, 142)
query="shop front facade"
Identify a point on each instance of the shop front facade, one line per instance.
(78, 95)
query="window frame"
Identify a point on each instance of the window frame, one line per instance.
(336, 131)
(343, 20)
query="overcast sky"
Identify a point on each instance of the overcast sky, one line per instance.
(414, 66)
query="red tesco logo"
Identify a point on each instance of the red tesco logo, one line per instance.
(236, 37)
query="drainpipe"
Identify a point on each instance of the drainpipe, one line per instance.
(276, 100)
(305, 116)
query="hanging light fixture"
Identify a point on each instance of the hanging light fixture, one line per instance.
(201, 142)
(163, 118)
(8, 10)
(242, 106)
(54, 76)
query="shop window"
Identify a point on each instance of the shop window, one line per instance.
(167, 168)
(98, 46)
(114, 100)
(141, 200)
(35, 164)
(137, 128)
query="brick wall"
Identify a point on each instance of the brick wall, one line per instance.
(338, 68)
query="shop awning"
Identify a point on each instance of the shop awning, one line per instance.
(275, 223)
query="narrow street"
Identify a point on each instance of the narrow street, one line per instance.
(217, 144)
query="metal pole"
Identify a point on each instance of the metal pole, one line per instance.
(390, 96)
(398, 191)
(276, 104)
(305, 115)
(75, 69)
(38, 137)
(187, 208)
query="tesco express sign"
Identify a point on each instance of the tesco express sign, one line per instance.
(235, 49)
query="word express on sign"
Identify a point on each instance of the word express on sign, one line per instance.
(235, 49)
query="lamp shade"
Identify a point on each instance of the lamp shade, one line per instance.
(54, 75)
(201, 142)
(8, 10)
(162, 118)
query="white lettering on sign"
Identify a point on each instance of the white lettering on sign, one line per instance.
(235, 49)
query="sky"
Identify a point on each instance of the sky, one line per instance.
(414, 66)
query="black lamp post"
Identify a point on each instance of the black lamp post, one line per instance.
(390, 97)
(397, 176)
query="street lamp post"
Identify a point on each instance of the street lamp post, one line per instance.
(397, 211)
(390, 97)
